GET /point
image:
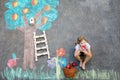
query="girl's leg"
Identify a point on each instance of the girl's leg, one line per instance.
(77, 56)
(87, 58)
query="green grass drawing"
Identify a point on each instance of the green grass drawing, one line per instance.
(98, 75)
(19, 73)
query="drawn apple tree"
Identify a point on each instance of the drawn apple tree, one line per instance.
(28, 16)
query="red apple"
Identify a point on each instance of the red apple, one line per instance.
(68, 66)
(74, 64)
(83, 47)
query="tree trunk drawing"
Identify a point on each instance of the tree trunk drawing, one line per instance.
(28, 48)
(28, 30)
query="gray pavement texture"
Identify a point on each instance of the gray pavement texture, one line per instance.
(97, 20)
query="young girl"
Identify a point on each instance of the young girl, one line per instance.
(82, 46)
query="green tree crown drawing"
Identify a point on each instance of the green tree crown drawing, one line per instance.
(29, 8)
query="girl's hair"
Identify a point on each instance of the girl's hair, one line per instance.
(81, 38)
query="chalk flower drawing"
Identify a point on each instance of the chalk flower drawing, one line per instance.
(52, 63)
(61, 52)
(63, 62)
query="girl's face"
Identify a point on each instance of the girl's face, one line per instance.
(83, 43)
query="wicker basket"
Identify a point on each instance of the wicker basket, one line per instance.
(69, 73)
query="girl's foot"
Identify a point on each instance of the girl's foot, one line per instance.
(83, 66)
(80, 64)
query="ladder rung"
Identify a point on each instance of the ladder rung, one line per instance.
(42, 48)
(39, 36)
(42, 41)
(44, 53)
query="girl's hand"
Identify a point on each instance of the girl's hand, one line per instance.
(84, 50)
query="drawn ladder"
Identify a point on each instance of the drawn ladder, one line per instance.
(38, 49)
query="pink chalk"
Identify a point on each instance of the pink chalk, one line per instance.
(12, 63)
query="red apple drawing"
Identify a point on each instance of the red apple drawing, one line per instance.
(34, 2)
(15, 4)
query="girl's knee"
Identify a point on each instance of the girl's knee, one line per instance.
(89, 55)
(75, 55)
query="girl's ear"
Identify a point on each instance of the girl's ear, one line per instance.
(75, 43)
